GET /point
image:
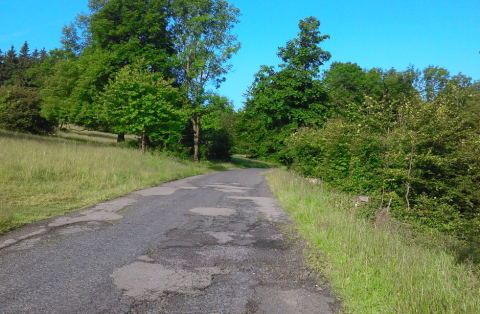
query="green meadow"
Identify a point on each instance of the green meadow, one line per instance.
(42, 177)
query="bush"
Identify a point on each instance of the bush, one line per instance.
(20, 111)
(216, 144)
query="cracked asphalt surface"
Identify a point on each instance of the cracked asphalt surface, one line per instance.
(217, 243)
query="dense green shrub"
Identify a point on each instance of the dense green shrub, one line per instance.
(386, 134)
(20, 111)
(424, 158)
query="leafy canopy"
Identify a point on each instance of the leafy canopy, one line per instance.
(203, 43)
(140, 102)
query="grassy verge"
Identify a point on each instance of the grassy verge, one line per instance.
(242, 162)
(374, 270)
(41, 177)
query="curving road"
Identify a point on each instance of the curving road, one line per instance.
(216, 243)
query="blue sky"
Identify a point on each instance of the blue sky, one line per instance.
(373, 33)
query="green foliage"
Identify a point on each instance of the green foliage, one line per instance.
(433, 81)
(203, 43)
(10, 66)
(3, 68)
(217, 119)
(341, 153)
(140, 102)
(95, 48)
(20, 69)
(419, 153)
(279, 102)
(20, 111)
(303, 53)
(133, 30)
(57, 89)
(186, 41)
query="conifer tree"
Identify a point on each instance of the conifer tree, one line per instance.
(11, 65)
(3, 70)
(23, 65)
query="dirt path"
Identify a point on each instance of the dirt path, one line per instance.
(217, 243)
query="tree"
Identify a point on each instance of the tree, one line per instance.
(216, 142)
(141, 102)
(133, 30)
(279, 102)
(20, 111)
(303, 53)
(71, 41)
(23, 65)
(43, 55)
(11, 65)
(58, 86)
(203, 43)
(3, 69)
(345, 83)
(98, 45)
(433, 81)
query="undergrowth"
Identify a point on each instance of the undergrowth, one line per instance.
(375, 269)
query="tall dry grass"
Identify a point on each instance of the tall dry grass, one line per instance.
(374, 269)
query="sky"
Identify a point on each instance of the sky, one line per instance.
(377, 33)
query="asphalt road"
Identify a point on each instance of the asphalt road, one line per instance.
(217, 243)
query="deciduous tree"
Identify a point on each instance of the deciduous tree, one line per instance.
(140, 102)
(279, 102)
(203, 42)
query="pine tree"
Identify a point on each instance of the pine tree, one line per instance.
(43, 55)
(23, 65)
(35, 57)
(3, 70)
(11, 64)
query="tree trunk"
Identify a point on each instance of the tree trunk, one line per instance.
(148, 141)
(196, 135)
(143, 143)
(120, 137)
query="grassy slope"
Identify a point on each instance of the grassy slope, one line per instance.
(374, 270)
(41, 177)
(74, 132)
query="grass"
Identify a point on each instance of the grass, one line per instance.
(375, 269)
(42, 177)
(77, 133)
(243, 162)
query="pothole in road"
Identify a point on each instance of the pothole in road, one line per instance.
(145, 281)
(212, 211)
(233, 237)
(222, 237)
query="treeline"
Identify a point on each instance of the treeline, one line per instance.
(141, 67)
(408, 139)
(17, 69)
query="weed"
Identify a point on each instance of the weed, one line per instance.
(374, 270)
